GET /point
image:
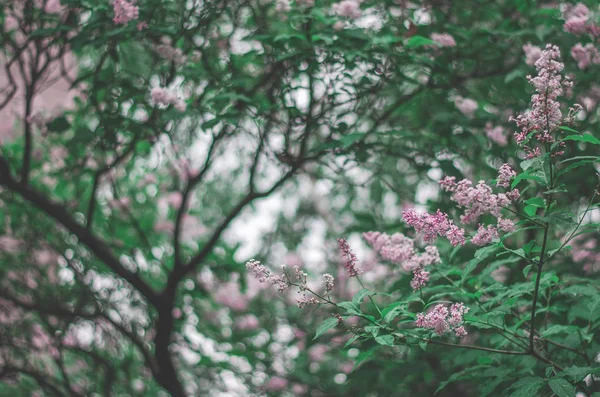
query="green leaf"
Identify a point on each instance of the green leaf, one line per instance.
(364, 356)
(352, 340)
(524, 176)
(536, 202)
(210, 123)
(569, 129)
(526, 270)
(561, 387)
(360, 295)
(372, 329)
(558, 329)
(530, 210)
(385, 340)
(351, 307)
(587, 138)
(527, 387)
(325, 326)
(392, 314)
(419, 41)
(577, 374)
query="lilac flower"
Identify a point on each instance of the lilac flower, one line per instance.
(124, 12)
(466, 106)
(328, 282)
(545, 116)
(455, 235)
(443, 39)
(247, 323)
(505, 173)
(399, 248)
(460, 331)
(305, 301)
(276, 383)
(485, 235)
(430, 226)
(53, 7)
(477, 200)
(347, 9)
(532, 54)
(442, 320)
(164, 97)
(576, 18)
(350, 259)
(506, 225)
(496, 135)
(585, 55)
(260, 272)
(420, 277)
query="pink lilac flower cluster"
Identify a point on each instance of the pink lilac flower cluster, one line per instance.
(585, 55)
(496, 134)
(532, 53)
(276, 383)
(347, 9)
(430, 226)
(328, 282)
(420, 277)
(443, 39)
(124, 11)
(166, 51)
(478, 200)
(442, 320)
(505, 173)
(485, 235)
(576, 20)
(349, 257)
(586, 253)
(284, 281)
(165, 97)
(247, 323)
(400, 249)
(466, 106)
(53, 7)
(262, 274)
(545, 116)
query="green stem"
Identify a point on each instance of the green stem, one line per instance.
(536, 290)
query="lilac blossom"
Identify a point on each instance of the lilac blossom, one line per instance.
(485, 235)
(443, 39)
(328, 282)
(532, 54)
(466, 106)
(496, 135)
(124, 11)
(576, 18)
(442, 320)
(347, 9)
(478, 200)
(505, 173)
(420, 277)
(545, 116)
(585, 55)
(506, 225)
(350, 259)
(430, 226)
